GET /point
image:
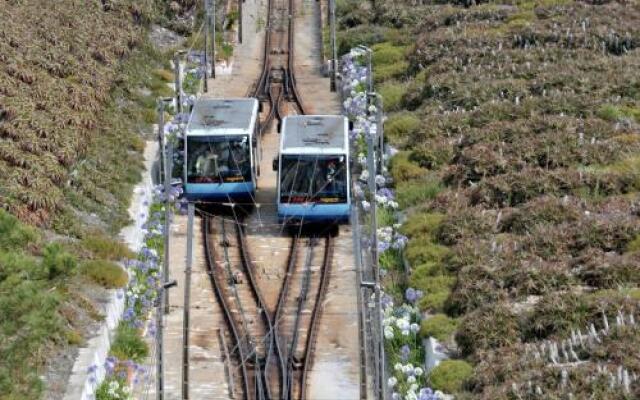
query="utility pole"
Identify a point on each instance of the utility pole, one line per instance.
(380, 129)
(239, 20)
(178, 79)
(187, 302)
(212, 16)
(334, 50)
(160, 105)
(177, 83)
(206, 47)
(167, 156)
(159, 350)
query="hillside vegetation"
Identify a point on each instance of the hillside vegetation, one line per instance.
(65, 143)
(78, 88)
(519, 129)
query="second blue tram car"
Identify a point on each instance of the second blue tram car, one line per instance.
(221, 149)
(313, 170)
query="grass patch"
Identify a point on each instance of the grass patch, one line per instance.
(392, 93)
(403, 169)
(105, 273)
(633, 245)
(390, 71)
(13, 234)
(412, 193)
(423, 224)
(436, 290)
(439, 326)
(610, 112)
(386, 53)
(106, 248)
(128, 345)
(450, 375)
(401, 126)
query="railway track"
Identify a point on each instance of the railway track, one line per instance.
(271, 351)
(276, 86)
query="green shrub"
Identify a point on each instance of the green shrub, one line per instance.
(128, 345)
(386, 53)
(412, 193)
(392, 93)
(391, 71)
(421, 224)
(106, 248)
(612, 113)
(385, 216)
(436, 290)
(450, 375)
(105, 273)
(57, 261)
(431, 268)
(420, 250)
(439, 326)
(401, 126)
(402, 169)
(633, 245)
(13, 234)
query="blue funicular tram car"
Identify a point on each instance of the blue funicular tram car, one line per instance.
(313, 170)
(222, 150)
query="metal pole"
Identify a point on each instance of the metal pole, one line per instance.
(159, 360)
(160, 105)
(371, 161)
(380, 129)
(206, 31)
(177, 81)
(167, 218)
(213, 40)
(187, 302)
(370, 68)
(334, 50)
(239, 21)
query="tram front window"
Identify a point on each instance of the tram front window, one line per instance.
(317, 179)
(217, 159)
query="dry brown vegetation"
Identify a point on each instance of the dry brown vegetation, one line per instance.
(529, 116)
(59, 64)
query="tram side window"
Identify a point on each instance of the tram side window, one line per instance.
(313, 179)
(218, 159)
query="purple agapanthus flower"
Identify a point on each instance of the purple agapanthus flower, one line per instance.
(405, 352)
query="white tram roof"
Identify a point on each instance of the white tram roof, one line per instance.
(315, 134)
(223, 117)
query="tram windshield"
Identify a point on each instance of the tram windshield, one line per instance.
(313, 178)
(217, 159)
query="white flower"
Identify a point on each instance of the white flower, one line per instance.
(402, 324)
(380, 180)
(398, 367)
(366, 205)
(411, 379)
(391, 382)
(408, 369)
(418, 371)
(406, 333)
(414, 327)
(411, 396)
(393, 204)
(388, 332)
(414, 387)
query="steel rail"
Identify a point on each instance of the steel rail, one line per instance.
(316, 313)
(209, 256)
(301, 300)
(267, 319)
(293, 253)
